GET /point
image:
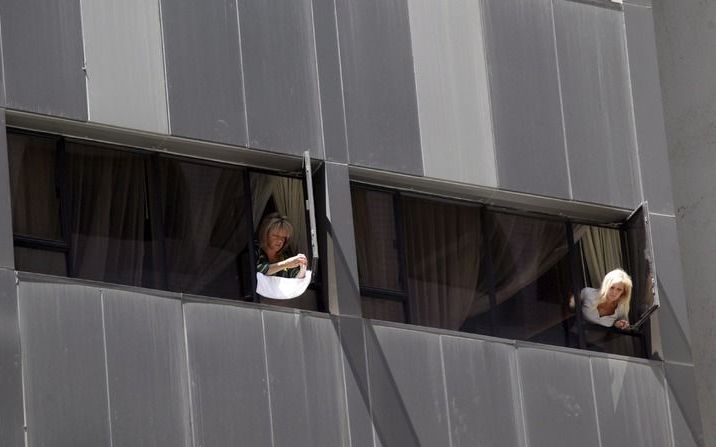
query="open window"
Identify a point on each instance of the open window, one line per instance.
(129, 216)
(475, 268)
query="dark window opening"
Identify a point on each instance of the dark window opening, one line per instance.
(133, 217)
(468, 267)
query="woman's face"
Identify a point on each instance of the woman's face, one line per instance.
(615, 291)
(277, 239)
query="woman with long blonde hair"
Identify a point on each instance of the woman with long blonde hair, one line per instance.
(609, 305)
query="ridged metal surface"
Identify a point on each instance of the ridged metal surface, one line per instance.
(648, 109)
(483, 394)
(407, 387)
(524, 89)
(227, 367)
(309, 384)
(43, 57)
(452, 91)
(280, 76)
(146, 368)
(64, 369)
(11, 414)
(631, 403)
(379, 85)
(203, 66)
(596, 97)
(557, 398)
(125, 76)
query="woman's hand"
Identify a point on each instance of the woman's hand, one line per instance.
(299, 260)
(621, 324)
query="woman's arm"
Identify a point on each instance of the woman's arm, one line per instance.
(295, 261)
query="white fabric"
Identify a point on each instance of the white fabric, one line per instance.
(590, 300)
(280, 288)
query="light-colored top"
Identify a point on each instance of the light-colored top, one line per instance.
(590, 299)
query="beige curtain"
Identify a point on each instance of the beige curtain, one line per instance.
(287, 194)
(602, 252)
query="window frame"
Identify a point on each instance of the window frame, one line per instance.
(577, 273)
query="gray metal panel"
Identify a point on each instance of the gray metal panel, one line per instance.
(557, 397)
(343, 267)
(281, 76)
(11, 415)
(526, 110)
(631, 402)
(125, 76)
(228, 376)
(203, 65)
(7, 257)
(307, 399)
(596, 97)
(329, 74)
(684, 405)
(146, 368)
(452, 91)
(482, 393)
(673, 314)
(43, 57)
(325, 386)
(649, 114)
(355, 373)
(379, 85)
(63, 365)
(407, 387)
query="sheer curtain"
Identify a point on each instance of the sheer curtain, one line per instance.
(205, 227)
(443, 260)
(108, 214)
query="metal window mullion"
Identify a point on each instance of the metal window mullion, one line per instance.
(490, 267)
(402, 255)
(156, 218)
(65, 195)
(576, 286)
(249, 207)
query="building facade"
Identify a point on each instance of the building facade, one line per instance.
(454, 171)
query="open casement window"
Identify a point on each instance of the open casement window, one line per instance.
(476, 268)
(290, 196)
(128, 216)
(638, 252)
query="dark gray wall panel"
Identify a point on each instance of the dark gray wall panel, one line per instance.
(307, 398)
(324, 382)
(526, 110)
(146, 370)
(329, 74)
(355, 373)
(482, 393)
(43, 57)
(379, 85)
(280, 76)
(125, 75)
(11, 415)
(684, 406)
(7, 254)
(648, 111)
(203, 64)
(407, 387)
(340, 265)
(64, 365)
(631, 401)
(557, 398)
(673, 314)
(453, 95)
(227, 364)
(596, 97)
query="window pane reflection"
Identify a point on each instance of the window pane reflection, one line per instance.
(35, 205)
